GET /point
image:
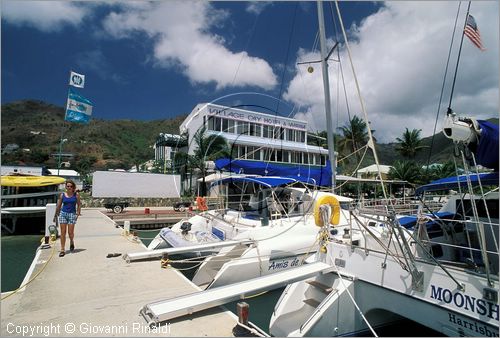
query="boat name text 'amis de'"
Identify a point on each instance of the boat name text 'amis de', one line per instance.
(480, 306)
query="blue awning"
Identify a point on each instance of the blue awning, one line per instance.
(455, 181)
(409, 221)
(269, 182)
(309, 174)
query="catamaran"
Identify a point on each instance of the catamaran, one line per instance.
(277, 214)
(441, 273)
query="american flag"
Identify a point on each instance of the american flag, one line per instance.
(472, 32)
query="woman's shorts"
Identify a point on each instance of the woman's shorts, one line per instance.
(67, 218)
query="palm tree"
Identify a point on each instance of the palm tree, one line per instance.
(410, 143)
(406, 171)
(208, 148)
(354, 135)
(441, 171)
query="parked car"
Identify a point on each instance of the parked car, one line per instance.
(116, 206)
(182, 205)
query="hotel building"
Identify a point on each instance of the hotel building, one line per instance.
(254, 135)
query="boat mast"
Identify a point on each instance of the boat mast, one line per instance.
(326, 87)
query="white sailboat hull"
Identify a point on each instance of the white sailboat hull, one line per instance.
(384, 295)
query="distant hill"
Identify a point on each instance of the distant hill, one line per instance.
(36, 125)
(103, 144)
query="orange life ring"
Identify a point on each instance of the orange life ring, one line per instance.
(201, 203)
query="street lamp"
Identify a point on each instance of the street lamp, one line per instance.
(60, 151)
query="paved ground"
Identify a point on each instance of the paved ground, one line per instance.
(87, 294)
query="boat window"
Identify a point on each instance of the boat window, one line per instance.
(492, 205)
(345, 206)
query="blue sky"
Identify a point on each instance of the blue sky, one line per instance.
(156, 60)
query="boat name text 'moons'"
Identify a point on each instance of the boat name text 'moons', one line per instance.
(480, 306)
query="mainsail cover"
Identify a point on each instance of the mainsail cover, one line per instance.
(487, 148)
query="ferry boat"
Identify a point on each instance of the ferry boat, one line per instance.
(26, 196)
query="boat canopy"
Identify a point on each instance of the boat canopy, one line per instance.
(30, 181)
(310, 174)
(269, 181)
(455, 181)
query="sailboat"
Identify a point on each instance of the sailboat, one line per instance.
(271, 227)
(442, 273)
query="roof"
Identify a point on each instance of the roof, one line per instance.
(455, 181)
(373, 169)
(30, 181)
(64, 172)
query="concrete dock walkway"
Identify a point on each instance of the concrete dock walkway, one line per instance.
(87, 294)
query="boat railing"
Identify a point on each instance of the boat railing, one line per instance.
(401, 206)
(469, 252)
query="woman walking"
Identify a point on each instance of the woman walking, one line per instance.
(67, 210)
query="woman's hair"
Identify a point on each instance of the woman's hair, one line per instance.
(71, 182)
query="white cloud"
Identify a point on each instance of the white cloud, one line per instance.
(399, 56)
(256, 7)
(47, 16)
(181, 31)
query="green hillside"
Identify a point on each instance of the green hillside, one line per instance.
(37, 126)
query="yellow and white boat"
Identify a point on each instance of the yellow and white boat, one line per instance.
(26, 196)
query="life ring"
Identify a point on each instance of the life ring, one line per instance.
(201, 203)
(334, 204)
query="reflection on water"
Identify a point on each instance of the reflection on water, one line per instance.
(18, 252)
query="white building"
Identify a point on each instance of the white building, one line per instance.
(23, 170)
(69, 175)
(167, 145)
(254, 135)
(372, 171)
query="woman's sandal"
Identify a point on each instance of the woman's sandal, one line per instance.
(62, 253)
(72, 247)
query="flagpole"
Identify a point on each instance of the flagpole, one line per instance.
(62, 133)
(449, 110)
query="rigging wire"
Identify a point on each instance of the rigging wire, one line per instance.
(352, 299)
(442, 86)
(286, 57)
(371, 142)
(243, 55)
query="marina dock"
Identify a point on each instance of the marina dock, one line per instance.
(146, 218)
(87, 294)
